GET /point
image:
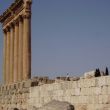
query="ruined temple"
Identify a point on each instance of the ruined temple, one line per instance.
(16, 22)
(21, 92)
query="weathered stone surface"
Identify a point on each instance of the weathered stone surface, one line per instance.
(81, 107)
(90, 94)
(89, 74)
(57, 105)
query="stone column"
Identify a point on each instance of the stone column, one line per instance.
(16, 35)
(27, 46)
(20, 50)
(12, 53)
(4, 56)
(8, 56)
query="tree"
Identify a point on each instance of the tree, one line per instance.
(97, 73)
(106, 71)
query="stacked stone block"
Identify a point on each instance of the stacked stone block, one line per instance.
(14, 95)
(90, 94)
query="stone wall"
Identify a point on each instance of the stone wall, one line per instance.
(16, 95)
(84, 94)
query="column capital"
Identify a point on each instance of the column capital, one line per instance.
(8, 29)
(16, 22)
(12, 25)
(27, 4)
(20, 18)
(4, 31)
(27, 15)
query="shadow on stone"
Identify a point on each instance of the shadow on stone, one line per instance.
(57, 105)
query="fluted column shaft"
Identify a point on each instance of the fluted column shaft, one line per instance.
(4, 56)
(16, 35)
(8, 56)
(20, 50)
(12, 53)
(27, 47)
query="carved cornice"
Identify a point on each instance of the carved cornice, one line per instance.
(26, 15)
(19, 7)
(15, 8)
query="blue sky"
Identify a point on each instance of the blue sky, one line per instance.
(67, 36)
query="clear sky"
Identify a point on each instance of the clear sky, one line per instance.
(67, 36)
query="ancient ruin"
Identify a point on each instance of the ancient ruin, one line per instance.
(21, 92)
(16, 21)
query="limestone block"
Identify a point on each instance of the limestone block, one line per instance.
(95, 107)
(100, 99)
(35, 101)
(80, 83)
(104, 99)
(43, 90)
(67, 98)
(108, 89)
(58, 93)
(108, 80)
(50, 93)
(93, 82)
(90, 82)
(83, 99)
(75, 99)
(25, 90)
(54, 97)
(44, 93)
(86, 91)
(106, 106)
(65, 85)
(99, 107)
(69, 92)
(96, 90)
(34, 92)
(60, 98)
(27, 84)
(89, 74)
(47, 99)
(50, 87)
(56, 86)
(102, 81)
(93, 99)
(74, 84)
(104, 90)
(77, 91)
(81, 107)
(41, 100)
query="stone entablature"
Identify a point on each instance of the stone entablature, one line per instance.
(12, 11)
